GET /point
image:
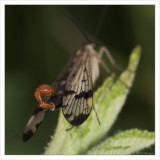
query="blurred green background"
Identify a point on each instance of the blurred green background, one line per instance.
(40, 39)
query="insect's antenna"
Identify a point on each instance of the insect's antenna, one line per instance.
(78, 26)
(99, 24)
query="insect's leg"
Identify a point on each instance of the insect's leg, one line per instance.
(103, 64)
(96, 115)
(112, 74)
(69, 129)
(111, 59)
(47, 91)
(105, 67)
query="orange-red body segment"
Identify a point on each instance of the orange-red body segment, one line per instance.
(47, 91)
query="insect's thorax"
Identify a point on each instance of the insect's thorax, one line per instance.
(93, 61)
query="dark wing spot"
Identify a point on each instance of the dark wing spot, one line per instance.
(37, 125)
(66, 93)
(84, 95)
(27, 135)
(38, 109)
(89, 94)
(67, 115)
(79, 120)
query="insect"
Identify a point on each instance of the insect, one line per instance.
(72, 90)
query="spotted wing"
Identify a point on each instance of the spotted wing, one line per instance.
(78, 95)
(39, 114)
(33, 123)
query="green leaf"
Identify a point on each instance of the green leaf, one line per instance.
(108, 101)
(126, 142)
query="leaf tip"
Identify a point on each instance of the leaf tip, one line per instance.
(134, 58)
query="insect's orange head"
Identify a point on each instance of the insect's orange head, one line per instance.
(45, 90)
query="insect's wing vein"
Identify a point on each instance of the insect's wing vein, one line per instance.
(78, 97)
